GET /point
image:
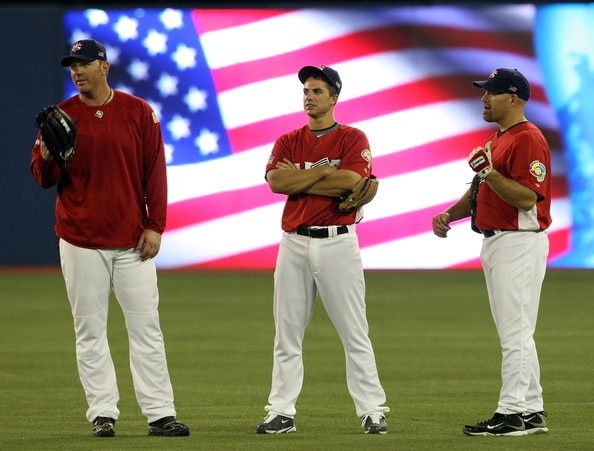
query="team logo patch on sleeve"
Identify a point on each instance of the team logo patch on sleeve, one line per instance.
(538, 170)
(366, 154)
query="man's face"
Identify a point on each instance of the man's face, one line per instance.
(317, 101)
(497, 106)
(88, 75)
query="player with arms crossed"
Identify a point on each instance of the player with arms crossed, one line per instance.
(509, 202)
(319, 254)
(110, 213)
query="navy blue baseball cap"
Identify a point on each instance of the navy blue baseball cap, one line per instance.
(324, 71)
(85, 50)
(506, 81)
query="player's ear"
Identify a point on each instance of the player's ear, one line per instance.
(104, 67)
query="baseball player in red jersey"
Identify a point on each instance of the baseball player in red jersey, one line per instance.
(319, 254)
(110, 213)
(509, 203)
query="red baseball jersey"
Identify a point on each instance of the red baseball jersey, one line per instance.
(115, 185)
(520, 153)
(346, 148)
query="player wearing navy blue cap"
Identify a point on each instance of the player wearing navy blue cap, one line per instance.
(319, 253)
(111, 210)
(509, 203)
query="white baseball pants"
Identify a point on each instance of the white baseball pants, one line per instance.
(90, 276)
(514, 264)
(331, 267)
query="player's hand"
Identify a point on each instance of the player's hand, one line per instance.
(149, 244)
(45, 153)
(440, 225)
(286, 164)
(480, 162)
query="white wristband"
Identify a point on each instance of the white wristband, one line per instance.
(485, 172)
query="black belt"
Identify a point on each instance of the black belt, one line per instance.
(490, 233)
(320, 232)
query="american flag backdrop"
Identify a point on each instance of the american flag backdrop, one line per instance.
(224, 84)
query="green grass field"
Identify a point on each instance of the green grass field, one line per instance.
(435, 344)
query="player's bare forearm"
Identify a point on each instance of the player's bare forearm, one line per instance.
(287, 179)
(512, 192)
(459, 210)
(335, 184)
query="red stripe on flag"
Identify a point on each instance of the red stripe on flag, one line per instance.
(262, 258)
(220, 19)
(206, 208)
(366, 43)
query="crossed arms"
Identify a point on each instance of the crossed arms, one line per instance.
(325, 180)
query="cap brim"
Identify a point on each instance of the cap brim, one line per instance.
(67, 60)
(485, 85)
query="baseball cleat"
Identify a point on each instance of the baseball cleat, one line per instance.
(500, 424)
(536, 422)
(276, 424)
(103, 427)
(168, 427)
(375, 423)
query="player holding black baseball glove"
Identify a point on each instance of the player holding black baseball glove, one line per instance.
(509, 203)
(111, 210)
(58, 132)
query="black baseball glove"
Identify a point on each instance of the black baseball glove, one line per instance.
(58, 131)
(473, 200)
(363, 193)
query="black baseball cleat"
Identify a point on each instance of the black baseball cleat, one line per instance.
(276, 424)
(536, 422)
(103, 427)
(500, 424)
(168, 427)
(375, 423)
